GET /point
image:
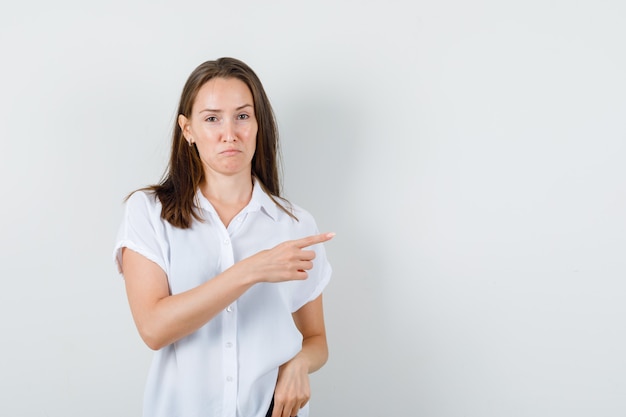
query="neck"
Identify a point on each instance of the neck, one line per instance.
(227, 189)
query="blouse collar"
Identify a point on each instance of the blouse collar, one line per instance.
(260, 201)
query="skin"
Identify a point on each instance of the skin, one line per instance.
(224, 128)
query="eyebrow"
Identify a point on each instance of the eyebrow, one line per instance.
(219, 111)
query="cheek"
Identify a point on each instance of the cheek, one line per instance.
(204, 149)
(251, 130)
(254, 131)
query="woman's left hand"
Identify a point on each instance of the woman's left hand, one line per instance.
(292, 388)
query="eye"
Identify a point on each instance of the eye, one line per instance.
(243, 116)
(211, 119)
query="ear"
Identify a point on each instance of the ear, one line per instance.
(183, 123)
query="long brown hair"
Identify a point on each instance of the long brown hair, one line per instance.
(184, 173)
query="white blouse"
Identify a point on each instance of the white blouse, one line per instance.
(228, 367)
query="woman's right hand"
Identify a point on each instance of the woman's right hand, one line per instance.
(287, 261)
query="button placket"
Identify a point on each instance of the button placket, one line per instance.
(229, 337)
(229, 356)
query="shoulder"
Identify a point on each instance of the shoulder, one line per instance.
(301, 213)
(143, 203)
(142, 229)
(143, 199)
(303, 221)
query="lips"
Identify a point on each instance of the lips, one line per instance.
(228, 152)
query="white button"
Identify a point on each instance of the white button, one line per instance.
(226, 241)
(229, 345)
(229, 309)
(229, 378)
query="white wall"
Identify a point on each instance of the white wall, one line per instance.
(470, 156)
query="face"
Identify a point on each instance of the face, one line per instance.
(223, 127)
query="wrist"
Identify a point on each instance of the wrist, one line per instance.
(246, 273)
(300, 363)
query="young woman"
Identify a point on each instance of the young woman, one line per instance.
(224, 277)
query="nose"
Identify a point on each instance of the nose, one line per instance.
(229, 134)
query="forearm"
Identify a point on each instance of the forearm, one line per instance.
(161, 318)
(292, 390)
(314, 353)
(176, 316)
(310, 321)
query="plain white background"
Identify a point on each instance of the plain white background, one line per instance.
(469, 155)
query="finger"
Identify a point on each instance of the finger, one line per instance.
(306, 255)
(313, 240)
(294, 411)
(305, 266)
(278, 411)
(290, 408)
(290, 411)
(283, 408)
(281, 411)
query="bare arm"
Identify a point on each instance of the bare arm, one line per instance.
(292, 388)
(162, 318)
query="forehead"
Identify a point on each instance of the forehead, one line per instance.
(223, 93)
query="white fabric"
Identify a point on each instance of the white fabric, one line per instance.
(228, 367)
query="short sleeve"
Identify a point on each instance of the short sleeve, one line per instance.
(142, 230)
(302, 292)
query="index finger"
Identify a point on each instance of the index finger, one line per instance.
(313, 240)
